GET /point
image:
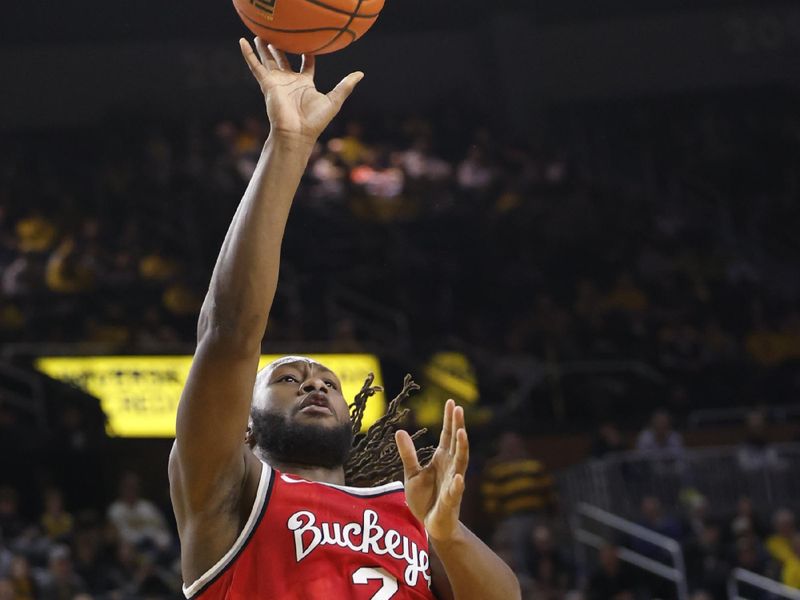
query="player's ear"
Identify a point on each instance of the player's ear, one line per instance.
(249, 438)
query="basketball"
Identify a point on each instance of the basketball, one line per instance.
(309, 26)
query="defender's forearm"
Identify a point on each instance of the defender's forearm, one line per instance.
(245, 277)
(475, 572)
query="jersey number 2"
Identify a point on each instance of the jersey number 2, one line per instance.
(367, 574)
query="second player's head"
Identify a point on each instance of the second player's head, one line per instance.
(299, 416)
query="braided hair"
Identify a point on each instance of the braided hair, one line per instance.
(374, 459)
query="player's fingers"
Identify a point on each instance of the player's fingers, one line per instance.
(455, 491)
(408, 453)
(458, 423)
(462, 452)
(307, 68)
(266, 57)
(280, 58)
(255, 66)
(344, 88)
(447, 426)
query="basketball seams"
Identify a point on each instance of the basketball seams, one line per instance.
(296, 31)
(342, 11)
(339, 30)
(343, 29)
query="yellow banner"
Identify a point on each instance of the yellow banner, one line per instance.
(140, 394)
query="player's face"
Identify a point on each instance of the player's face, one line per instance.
(303, 391)
(299, 415)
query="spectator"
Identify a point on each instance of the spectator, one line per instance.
(790, 574)
(13, 527)
(419, 163)
(5, 560)
(779, 544)
(613, 580)
(706, 562)
(23, 277)
(157, 267)
(68, 271)
(379, 179)
(138, 521)
(181, 300)
(746, 521)
(89, 564)
(330, 177)
(660, 438)
(548, 566)
(135, 574)
(351, 147)
(696, 507)
(656, 519)
(24, 586)
(12, 320)
(60, 582)
(750, 556)
(7, 591)
(625, 296)
(36, 233)
(607, 440)
(755, 453)
(474, 173)
(517, 491)
(55, 521)
(503, 543)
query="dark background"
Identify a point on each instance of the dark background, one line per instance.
(651, 142)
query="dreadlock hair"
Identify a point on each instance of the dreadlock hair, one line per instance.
(374, 459)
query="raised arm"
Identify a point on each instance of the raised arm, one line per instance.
(433, 493)
(209, 455)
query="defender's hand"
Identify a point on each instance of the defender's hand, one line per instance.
(434, 492)
(294, 106)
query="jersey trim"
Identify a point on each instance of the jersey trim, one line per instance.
(370, 492)
(265, 484)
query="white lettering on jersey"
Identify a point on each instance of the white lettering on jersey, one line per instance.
(308, 535)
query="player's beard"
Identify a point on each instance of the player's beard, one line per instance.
(285, 440)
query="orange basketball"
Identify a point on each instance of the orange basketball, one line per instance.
(309, 26)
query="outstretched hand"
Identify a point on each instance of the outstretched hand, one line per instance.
(295, 107)
(434, 492)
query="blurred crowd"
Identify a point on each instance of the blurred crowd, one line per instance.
(128, 552)
(648, 247)
(60, 540)
(520, 498)
(657, 235)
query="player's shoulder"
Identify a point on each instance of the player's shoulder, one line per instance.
(230, 492)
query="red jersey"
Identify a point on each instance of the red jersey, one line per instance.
(307, 540)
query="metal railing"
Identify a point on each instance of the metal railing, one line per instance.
(722, 475)
(760, 582)
(737, 414)
(676, 572)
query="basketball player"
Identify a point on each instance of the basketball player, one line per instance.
(258, 468)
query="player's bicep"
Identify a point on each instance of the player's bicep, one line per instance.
(212, 415)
